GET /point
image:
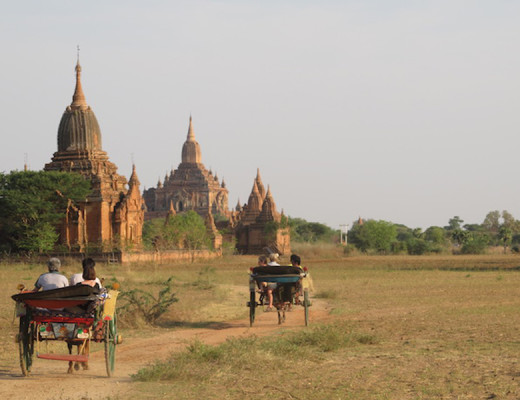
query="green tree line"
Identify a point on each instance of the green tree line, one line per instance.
(497, 229)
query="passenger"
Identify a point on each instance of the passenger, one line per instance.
(89, 277)
(77, 278)
(262, 286)
(296, 262)
(273, 261)
(262, 261)
(52, 279)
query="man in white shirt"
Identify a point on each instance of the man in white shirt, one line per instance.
(52, 279)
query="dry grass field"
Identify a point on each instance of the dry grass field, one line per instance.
(399, 327)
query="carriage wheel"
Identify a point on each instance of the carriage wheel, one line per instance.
(306, 304)
(110, 335)
(252, 305)
(26, 344)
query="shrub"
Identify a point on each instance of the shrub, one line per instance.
(138, 302)
(417, 246)
(474, 244)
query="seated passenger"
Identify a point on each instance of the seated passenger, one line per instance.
(89, 277)
(77, 278)
(52, 279)
(296, 262)
(263, 286)
(273, 261)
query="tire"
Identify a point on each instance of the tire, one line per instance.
(110, 337)
(252, 306)
(306, 304)
(26, 344)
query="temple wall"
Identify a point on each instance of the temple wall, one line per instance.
(70, 260)
(163, 257)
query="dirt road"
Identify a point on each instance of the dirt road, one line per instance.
(49, 380)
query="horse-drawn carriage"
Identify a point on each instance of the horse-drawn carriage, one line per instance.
(288, 284)
(76, 315)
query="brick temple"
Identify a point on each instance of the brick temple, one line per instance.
(190, 187)
(257, 227)
(113, 213)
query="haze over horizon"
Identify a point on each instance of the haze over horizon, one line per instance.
(396, 110)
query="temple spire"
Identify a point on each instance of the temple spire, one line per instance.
(78, 99)
(191, 149)
(191, 133)
(258, 180)
(134, 180)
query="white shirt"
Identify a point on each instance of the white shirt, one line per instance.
(51, 280)
(77, 278)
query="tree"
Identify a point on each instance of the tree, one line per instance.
(505, 235)
(310, 232)
(454, 223)
(195, 235)
(492, 221)
(474, 243)
(435, 234)
(181, 231)
(459, 236)
(32, 204)
(373, 235)
(510, 222)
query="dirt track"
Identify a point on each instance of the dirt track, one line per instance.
(49, 380)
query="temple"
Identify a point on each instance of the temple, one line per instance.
(256, 227)
(112, 215)
(190, 187)
(260, 228)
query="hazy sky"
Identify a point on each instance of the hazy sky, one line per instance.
(405, 111)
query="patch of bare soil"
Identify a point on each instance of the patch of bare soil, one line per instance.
(49, 379)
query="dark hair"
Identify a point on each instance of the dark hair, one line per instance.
(262, 260)
(89, 273)
(88, 262)
(296, 259)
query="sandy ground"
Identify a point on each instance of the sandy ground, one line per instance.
(49, 380)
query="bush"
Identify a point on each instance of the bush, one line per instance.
(417, 246)
(474, 244)
(350, 250)
(398, 247)
(139, 303)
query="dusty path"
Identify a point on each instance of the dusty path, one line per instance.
(49, 380)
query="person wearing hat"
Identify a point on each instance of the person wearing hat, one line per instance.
(52, 279)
